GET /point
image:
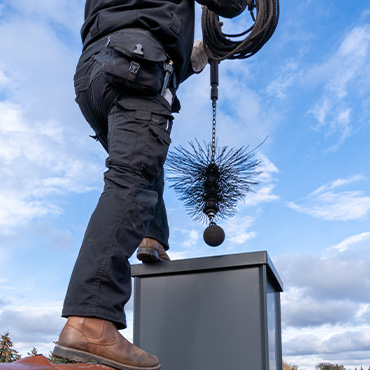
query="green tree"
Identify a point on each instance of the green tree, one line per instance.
(7, 352)
(329, 366)
(287, 366)
(33, 352)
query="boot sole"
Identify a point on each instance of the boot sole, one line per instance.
(147, 255)
(82, 356)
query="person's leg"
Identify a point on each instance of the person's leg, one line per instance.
(154, 245)
(88, 339)
(158, 226)
(100, 284)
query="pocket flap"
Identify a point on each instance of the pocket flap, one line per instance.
(138, 44)
(163, 135)
(150, 104)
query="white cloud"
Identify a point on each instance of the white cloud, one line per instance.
(334, 344)
(3, 300)
(267, 168)
(342, 276)
(328, 203)
(341, 182)
(46, 156)
(15, 211)
(63, 12)
(45, 152)
(33, 325)
(192, 239)
(325, 305)
(179, 255)
(188, 237)
(241, 112)
(236, 229)
(348, 242)
(365, 14)
(287, 77)
(4, 80)
(35, 163)
(303, 310)
(39, 325)
(263, 192)
(261, 195)
(346, 71)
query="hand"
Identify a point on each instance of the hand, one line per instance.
(199, 57)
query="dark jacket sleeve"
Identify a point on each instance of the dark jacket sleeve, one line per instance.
(225, 8)
(189, 72)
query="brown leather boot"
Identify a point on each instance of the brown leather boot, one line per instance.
(151, 250)
(86, 339)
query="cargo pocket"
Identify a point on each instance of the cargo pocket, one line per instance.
(82, 77)
(157, 148)
(123, 142)
(122, 138)
(150, 146)
(134, 59)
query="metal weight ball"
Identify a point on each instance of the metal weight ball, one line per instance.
(214, 235)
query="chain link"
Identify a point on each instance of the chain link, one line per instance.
(213, 132)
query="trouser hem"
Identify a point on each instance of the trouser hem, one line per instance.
(119, 323)
(157, 237)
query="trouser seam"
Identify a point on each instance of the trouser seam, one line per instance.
(111, 242)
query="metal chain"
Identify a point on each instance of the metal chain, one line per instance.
(213, 132)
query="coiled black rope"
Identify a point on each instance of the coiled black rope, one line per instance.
(220, 46)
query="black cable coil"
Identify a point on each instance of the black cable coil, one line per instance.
(220, 46)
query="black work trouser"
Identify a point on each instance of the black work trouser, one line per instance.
(131, 206)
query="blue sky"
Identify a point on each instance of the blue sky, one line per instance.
(308, 90)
